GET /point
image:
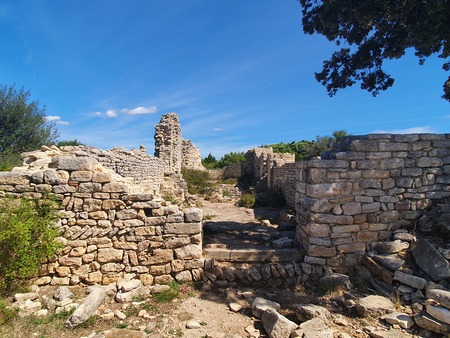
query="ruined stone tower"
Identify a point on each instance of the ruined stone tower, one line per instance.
(168, 142)
(175, 152)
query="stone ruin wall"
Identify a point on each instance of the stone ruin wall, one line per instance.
(374, 185)
(172, 150)
(284, 179)
(190, 156)
(146, 170)
(110, 227)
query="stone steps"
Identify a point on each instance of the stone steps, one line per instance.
(253, 254)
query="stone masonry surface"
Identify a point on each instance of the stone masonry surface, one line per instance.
(365, 190)
(109, 226)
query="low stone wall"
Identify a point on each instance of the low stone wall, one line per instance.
(374, 185)
(109, 226)
(146, 170)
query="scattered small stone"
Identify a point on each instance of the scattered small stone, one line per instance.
(401, 319)
(193, 324)
(276, 325)
(235, 307)
(119, 314)
(62, 293)
(260, 305)
(374, 306)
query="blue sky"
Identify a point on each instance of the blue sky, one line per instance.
(238, 73)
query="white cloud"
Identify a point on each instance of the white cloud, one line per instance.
(111, 113)
(140, 110)
(56, 119)
(97, 113)
(413, 130)
(217, 129)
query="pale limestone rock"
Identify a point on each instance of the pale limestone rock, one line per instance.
(424, 254)
(193, 215)
(235, 307)
(22, 297)
(276, 325)
(442, 297)
(372, 306)
(260, 305)
(87, 308)
(401, 319)
(426, 321)
(109, 255)
(128, 285)
(62, 293)
(391, 247)
(123, 297)
(313, 328)
(193, 324)
(73, 163)
(413, 281)
(305, 312)
(439, 312)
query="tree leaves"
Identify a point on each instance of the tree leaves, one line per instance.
(23, 126)
(373, 31)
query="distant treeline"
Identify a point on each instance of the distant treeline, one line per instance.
(303, 150)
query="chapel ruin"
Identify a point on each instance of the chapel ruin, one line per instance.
(116, 222)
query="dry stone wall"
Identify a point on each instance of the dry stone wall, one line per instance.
(109, 226)
(146, 170)
(361, 193)
(283, 178)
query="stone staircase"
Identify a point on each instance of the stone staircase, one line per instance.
(250, 242)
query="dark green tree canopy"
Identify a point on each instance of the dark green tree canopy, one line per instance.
(23, 125)
(373, 31)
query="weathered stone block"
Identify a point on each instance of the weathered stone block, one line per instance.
(108, 204)
(81, 176)
(321, 251)
(109, 255)
(116, 187)
(73, 163)
(101, 177)
(351, 247)
(351, 208)
(54, 177)
(414, 281)
(317, 230)
(145, 231)
(160, 256)
(323, 190)
(193, 215)
(189, 252)
(182, 228)
(89, 187)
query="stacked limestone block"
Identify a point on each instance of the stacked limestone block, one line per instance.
(373, 186)
(108, 228)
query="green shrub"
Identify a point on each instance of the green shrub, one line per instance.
(198, 181)
(64, 143)
(27, 236)
(6, 313)
(167, 295)
(9, 161)
(247, 201)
